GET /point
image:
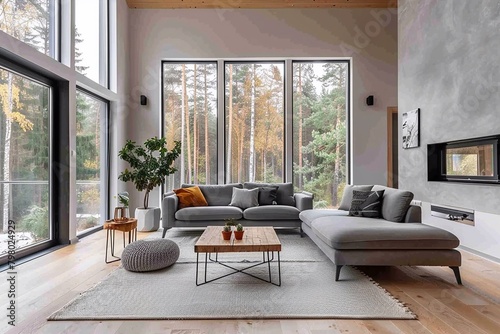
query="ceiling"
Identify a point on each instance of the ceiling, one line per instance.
(262, 4)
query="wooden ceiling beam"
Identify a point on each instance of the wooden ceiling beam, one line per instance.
(255, 4)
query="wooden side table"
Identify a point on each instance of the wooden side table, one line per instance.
(129, 225)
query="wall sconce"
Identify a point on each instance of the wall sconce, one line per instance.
(144, 100)
(369, 100)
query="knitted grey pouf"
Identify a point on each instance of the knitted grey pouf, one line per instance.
(149, 255)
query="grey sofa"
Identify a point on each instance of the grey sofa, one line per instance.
(397, 239)
(284, 214)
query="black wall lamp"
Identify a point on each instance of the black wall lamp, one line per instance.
(369, 100)
(144, 100)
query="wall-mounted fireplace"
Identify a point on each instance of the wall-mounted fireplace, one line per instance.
(473, 160)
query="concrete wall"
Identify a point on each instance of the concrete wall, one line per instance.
(368, 36)
(449, 68)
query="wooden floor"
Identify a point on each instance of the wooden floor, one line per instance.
(47, 283)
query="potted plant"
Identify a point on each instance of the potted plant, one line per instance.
(230, 222)
(238, 234)
(122, 211)
(149, 165)
(226, 232)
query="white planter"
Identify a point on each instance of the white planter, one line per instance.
(148, 219)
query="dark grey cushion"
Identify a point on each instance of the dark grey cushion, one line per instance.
(272, 212)
(395, 203)
(345, 204)
(268, 195)
(245, 198)
(370, 233)
(285, 191)
(209, 213)
(217, 194)
(308, 216)
(366, 203)
(149, 255)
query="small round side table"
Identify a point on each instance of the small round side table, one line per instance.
(128, 225)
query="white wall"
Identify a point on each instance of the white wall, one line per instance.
(232, 33)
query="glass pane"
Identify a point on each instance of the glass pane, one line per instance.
(320, 130)
(24, 158)
(32, 22)
(254, 108)
(88, 161)
(190, 109)
(470, 161)
(90, 39)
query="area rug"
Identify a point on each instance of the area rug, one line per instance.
(308, 290)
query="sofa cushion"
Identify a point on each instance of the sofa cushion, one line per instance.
(209, 213)
(272, 212)
(345, 203)
(217, 194)
(395, 203)
(366, 203)
(308, 216)
(369, 233)
(285, 191)
(267, 195)
(191, 196)
(245, 198)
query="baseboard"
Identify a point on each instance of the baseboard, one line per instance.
(481, 254)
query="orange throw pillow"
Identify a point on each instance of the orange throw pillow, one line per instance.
(191, 196)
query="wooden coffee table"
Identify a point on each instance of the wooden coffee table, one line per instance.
(255, 239)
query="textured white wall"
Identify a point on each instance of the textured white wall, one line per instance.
(448, 67)
(166, 34)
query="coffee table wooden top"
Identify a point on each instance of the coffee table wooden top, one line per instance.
(255, 239)
(124, 226)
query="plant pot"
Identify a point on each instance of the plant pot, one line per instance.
(121, 213)
(148, 219)
(238, 235)
(226, 235)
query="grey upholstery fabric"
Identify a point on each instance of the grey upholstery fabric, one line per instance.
(245, 198)
(414, 214)
(216, 194)
(149, 255)
(345, 204)
(209, 213)
(395, 203)
(371, 233)
(303, 201)
(285, 191)
(308, 216)
(267, 195)
(271, 212)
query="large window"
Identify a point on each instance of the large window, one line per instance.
(190, 116)
(254, 108)
(25, 110)
(33, 22)
(278, 121)
(91, 39)
(91, 165)
(320, 91)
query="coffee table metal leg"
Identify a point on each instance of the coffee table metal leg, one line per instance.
(110, 241)
(269, 266)
(197, 260)
(206, 257)
(279, 270)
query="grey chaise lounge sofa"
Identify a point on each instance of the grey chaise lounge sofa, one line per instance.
(284, 214)
(397, 239)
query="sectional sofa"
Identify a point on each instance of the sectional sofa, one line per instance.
(284, 213)
(398, 238)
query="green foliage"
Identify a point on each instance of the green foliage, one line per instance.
(226, 228)
(230, 222)
(149, 164)
(36, 222)
(239, 227)
(123, 198)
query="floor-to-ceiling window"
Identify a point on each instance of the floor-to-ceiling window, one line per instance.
(91, 161)
(320, 114)
(190, 116)
(280, 120)
(254, 113)
(25, 164)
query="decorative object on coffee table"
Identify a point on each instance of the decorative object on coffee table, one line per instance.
(149, 166)
(129, 225)
(226, 232)
(238, 233)
(149, 255)
(411, 129)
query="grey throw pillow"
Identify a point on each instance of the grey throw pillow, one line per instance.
(366, 204)
(244, 198)
(268, 195)
(345, 204)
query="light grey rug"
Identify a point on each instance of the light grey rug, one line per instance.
(308, 290)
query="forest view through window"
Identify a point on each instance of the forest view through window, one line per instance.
(24, 160)
(190, 116)
(320, 130)
(254, 94)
